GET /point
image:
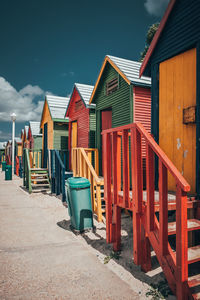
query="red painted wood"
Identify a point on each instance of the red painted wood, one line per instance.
(81, 115)
(106, 119)
(150, 187)
(107, 185)
(163, 216)
(158, 151)
(181, 242)
(114, 167)
(137, 193)
(145, 251)
(69, 144)
(157, 36)
(106, 123)
(117, 222)
(125, 155)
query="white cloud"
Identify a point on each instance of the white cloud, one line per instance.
(20, 102)
(156, 7)
(5, 135)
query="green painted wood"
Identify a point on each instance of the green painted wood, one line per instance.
(37, 142)
(92, 131)
(118, 101)
(61, 133)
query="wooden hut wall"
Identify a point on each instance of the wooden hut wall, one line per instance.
(79, 113)
(46, 118)
(179, 37)
(60, 136)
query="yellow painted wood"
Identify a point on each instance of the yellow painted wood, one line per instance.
(82, 166)
(74, 134)
(177, 90)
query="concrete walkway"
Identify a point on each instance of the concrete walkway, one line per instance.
(41, 260)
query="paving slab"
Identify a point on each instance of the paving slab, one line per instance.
(40, 260)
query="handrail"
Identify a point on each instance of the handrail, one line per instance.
(127, 142)
(160, 153)
(82, 166)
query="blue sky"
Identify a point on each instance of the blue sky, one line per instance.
(48, 45)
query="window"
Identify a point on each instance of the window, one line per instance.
(112, 86)
(78, 105)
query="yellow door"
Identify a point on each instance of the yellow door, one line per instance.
(177, 91)
(74, 134)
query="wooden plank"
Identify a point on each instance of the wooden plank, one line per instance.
(125, 157)
(163, 216)
(150, 187)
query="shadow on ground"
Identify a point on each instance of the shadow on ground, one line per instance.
(97, 239)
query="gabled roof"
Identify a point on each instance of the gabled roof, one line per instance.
(35, 128)
(22, 132)
(57, 107)
(128, 69)
(85, 92)
(18, 140)
(157, 36)
(26, 130)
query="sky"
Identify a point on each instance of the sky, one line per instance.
(48, 45)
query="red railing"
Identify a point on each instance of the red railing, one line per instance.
(17, 165)
(126, 142)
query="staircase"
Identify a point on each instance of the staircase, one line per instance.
(180, 260)
(83, 167)
(35, 179)
(40, 180)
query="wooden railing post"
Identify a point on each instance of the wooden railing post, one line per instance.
(125, 155)
(163, 216)
(181, 243)
(150, 187)
(137, 190)
(107, 184)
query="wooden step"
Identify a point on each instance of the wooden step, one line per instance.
(192, 224)
(39, 179)
(194, 284)
(102, 191)
(39, 170)
(39, 185)
(193, 254)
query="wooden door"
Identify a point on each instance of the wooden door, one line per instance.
(106, 123)
(177, 91)
(74, 134)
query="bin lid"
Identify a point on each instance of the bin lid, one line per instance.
(8, 166)
(78, 182)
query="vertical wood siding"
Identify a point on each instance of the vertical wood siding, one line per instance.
(37, 142)
(92, 132)
(83, 120)
(60, 136)
(142, 108)
(119, 101)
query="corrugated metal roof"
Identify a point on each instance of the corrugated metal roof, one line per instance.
(57, 106)
(85, 91)
(131, 70)
(18, 140)
(35, 128)
(26, 130)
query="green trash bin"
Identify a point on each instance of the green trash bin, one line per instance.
(3, 165)
(8, 172)
(78, 198)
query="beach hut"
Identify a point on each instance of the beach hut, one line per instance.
(121, 97)
(34, 136)
(54, 124)
(173, 62)
(25, 137)
(18, 146)
(82, 118)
